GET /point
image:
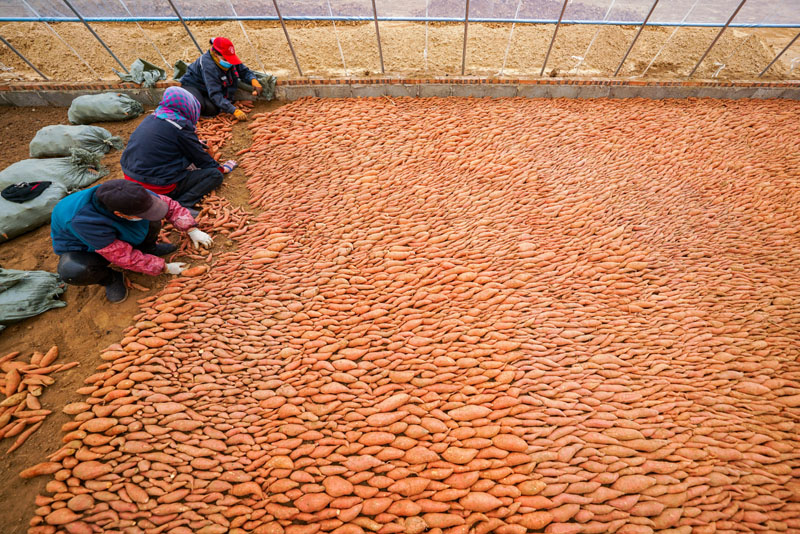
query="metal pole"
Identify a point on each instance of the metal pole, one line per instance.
(185, 27)
(286, 33)
(378, 34)
(638, 33)
(47, 25)
(464, 49)
(717, 37)
(779, 55)
(96, 36)
(364, 18)
(553, 40)
(24, 58)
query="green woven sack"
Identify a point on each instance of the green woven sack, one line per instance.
(25, 294)
(59, 140)
(104, 107)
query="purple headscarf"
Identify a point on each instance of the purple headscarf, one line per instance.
(180, 106)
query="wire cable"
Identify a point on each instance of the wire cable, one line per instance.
(510, 35)
(62, 40)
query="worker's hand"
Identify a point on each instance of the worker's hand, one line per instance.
(211, 152)
(228, 166)
(174, 267)
(257, 86)
(199, 238)
(240, 115)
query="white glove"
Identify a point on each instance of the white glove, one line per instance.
(199, 238)
(175, 267)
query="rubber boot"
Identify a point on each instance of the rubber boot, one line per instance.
(116, 290)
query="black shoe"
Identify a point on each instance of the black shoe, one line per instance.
(117, 291)
(193, 212)
(160, 249)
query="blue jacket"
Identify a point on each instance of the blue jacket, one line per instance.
(80, 223)
(159, 151)
(217, 83)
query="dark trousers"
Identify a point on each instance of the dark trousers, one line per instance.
(195, 185)
(83, 268)
(207, 107)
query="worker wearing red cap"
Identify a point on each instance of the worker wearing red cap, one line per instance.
(213, 78)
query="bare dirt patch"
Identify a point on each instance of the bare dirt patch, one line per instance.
(409, 49)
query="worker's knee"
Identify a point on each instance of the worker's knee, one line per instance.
(83, 268)
(206, 180)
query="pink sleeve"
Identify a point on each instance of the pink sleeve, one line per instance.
(124, 255)
(178, 215)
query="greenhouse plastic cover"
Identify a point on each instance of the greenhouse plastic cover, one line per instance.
(683, 12)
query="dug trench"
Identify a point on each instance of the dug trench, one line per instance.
(88, 323)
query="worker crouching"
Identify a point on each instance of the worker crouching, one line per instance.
(214, 76)
(165, 156)
(117, 223)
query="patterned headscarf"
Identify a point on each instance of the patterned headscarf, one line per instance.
(180, 106)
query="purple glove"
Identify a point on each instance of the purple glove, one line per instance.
(228, 166)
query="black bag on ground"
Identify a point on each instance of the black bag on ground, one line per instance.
(24, 294)
(24, 192)
(58, 140)
(104, 107)
(66, 174)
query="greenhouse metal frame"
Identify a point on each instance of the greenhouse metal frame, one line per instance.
(78, 14)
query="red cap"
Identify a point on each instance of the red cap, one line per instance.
(224, 47)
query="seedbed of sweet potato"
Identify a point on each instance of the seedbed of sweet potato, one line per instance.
(464, 315)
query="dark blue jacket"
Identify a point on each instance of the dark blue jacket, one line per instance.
(159, 151)
(81, 223)
(217, 83)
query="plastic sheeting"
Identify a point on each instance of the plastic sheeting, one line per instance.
(630, 11)
(755, 13)
(144, 73)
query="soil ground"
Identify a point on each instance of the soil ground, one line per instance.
(87, 312)
(409, 49)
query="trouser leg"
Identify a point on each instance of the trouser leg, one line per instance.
(150, 245)
(84, 269)
(195, 185)
(152, 236)
(207, 107)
